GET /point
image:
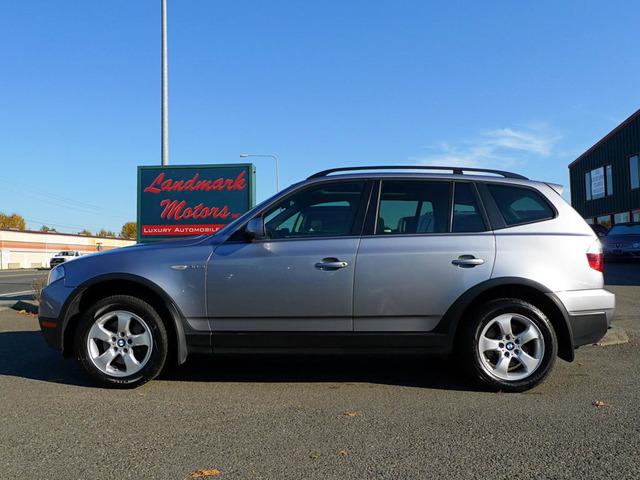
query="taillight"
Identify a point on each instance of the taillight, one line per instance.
(595, 257)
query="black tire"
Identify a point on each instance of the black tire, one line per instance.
(158, 355)
(471, 355)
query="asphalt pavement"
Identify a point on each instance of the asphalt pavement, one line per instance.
(319, 417)
(18, 284)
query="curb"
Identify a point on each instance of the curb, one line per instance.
(614, 336)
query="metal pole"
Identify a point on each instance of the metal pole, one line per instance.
(245, 155)
(165, 89)
(277, 172)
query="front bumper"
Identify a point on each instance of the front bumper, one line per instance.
(50, 313)
(589, 313)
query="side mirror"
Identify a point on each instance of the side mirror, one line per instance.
(255, 228)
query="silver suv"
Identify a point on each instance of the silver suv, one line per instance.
(491, 267)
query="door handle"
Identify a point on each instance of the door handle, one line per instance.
(330, 264)
(467, 261)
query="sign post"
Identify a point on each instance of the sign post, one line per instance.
(185, 200)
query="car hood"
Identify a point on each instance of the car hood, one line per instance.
(140, 248)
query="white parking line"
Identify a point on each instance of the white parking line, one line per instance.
(13, 294)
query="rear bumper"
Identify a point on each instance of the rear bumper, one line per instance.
(588, 329)
(589, 313)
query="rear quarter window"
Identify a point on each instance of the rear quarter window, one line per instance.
(519, 205)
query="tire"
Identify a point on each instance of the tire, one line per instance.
(509, 361)
(121, 342)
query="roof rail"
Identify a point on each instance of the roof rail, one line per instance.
(455, 170)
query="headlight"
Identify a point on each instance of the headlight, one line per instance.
(55, 274)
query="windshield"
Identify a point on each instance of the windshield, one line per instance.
(633, 229)
(65, 254)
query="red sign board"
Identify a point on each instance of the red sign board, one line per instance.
(186, 200)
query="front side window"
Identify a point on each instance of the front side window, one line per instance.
(410, 207)
(520, 205)
(466, 215)
(328, 209)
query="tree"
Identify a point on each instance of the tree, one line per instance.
(44, 228)
(129, 230)
(85, 232)
(13, 221)
(105, 233)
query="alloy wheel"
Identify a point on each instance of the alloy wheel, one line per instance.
(511, 347)
(119, 343)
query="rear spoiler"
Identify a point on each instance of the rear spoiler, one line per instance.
(557, 187)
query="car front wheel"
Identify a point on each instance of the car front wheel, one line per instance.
(509, 345)
(122, 342)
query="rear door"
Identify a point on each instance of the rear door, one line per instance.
(429, 245)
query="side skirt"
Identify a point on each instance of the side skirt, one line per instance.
(328, 342)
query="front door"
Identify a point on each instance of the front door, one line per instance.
(422, 256)
(299, 278)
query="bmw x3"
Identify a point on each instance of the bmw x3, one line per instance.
(487, 266)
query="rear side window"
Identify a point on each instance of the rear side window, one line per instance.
(466, 214)
(409, 207)
(520, 205)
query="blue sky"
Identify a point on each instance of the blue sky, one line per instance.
(515, 85)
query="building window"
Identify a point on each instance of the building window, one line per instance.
(634, 169)
(589, 220)
(604, 220)
(621, 217)
(635, 215)
(599, 182)
(587, 184)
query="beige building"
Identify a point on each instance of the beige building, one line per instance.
(29, 249)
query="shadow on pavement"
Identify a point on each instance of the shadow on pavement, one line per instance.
(400, 370)
(26, 355)
(622, 272)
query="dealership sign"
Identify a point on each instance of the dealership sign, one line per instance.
(186, 200)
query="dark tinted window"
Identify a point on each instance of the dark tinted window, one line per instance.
(413, 207)
(466, 214)
(520, 205)
(323, 210)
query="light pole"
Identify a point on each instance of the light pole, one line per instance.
(165, 90)
(246, 155)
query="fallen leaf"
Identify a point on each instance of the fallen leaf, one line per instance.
(314, 455)
(352, 414)
(600, 404)
(344, 452)
(206, 473)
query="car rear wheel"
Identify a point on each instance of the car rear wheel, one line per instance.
(509, 345)
(122, 342)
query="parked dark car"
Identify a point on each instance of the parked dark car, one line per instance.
(622, 241)
(599, 230)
